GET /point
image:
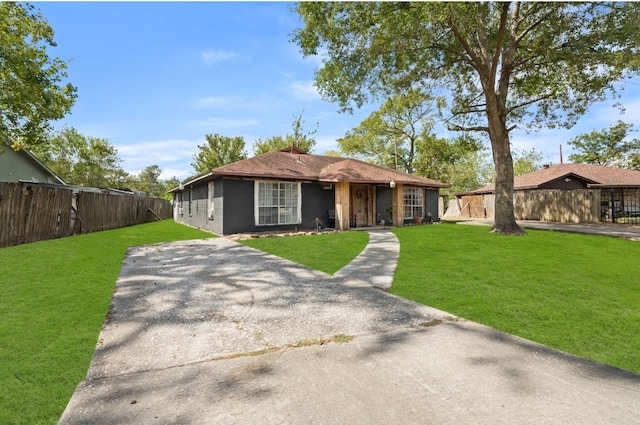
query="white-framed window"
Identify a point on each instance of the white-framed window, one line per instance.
(210, 201)
(413, 202)
(277, 203)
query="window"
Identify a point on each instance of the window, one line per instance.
(413, 202)
(210, 201)
(277, 203)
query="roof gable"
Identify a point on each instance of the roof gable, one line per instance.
(22, 165)
(593, 175)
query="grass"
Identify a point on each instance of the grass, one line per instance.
(576, 293)
(54, 296)
(327, 252)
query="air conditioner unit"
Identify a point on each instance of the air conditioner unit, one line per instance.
(327, 186)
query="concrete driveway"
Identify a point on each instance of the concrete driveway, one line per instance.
(213, 332)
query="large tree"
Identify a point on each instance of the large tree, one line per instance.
(83, 161)
(218, 150)
(609, 147)
(505, 64)
(32, 88)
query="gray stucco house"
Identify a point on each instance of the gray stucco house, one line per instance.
(290, 189)
(23, 166)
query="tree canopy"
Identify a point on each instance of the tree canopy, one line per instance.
(32, 88)
(390, 136)
(505, 65)
(609, 147)
(82, 161)
(305, 140)
(148, 181)
(218, 150)
(526, 161)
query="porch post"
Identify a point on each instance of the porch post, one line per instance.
(397, 204)
(342, 206)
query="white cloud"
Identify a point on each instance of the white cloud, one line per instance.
(214, 102)
(215, 124)
(304, 90)
(161, 150)
(233, 102)
(210, 56)
(167, 154)
(179, 173)
(325, 144)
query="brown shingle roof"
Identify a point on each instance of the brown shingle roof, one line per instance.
(595, 175)
(329, 169)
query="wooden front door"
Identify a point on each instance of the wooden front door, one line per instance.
(361, 205)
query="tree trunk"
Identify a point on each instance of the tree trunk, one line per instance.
(505, 221)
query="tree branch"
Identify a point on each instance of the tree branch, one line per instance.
(456, 127)
(530, 102)
(470, 110)
(531, 27)
(501, 33)
(473, 59)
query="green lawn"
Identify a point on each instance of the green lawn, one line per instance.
(577, 293)
(327, 252)
(53, 299)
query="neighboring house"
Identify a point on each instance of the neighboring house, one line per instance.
(610, 192)
(23, 166)
(290, 189)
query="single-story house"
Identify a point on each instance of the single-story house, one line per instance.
(23, 166)
(586, 192)
(290, 189)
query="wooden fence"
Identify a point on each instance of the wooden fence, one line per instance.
(31, 212)
(564, 206)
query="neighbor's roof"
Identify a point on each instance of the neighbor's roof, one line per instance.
(297, 165)
(29, 156)
(594, 175)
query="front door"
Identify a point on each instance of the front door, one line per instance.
(361, 205)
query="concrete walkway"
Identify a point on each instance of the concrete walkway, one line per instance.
(213, 332)
(376, 264)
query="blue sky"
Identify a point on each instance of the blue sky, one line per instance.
(155, 77)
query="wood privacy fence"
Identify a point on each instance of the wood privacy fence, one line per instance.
(564, 206)
(31, 212)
